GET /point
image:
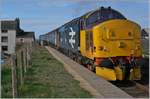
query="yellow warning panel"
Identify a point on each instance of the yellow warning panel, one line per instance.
(135, 73)
(119, 73)
(106, 73)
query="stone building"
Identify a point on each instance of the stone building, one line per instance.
(25, 37)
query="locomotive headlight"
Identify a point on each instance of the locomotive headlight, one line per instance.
(102, 48)
(121, 45)
(113, 34)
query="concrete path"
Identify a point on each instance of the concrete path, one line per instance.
(96, 85)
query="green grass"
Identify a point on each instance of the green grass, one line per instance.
(6, 83)
(47, 78)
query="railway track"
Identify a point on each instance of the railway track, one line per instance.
(137, 89)
(133, 88)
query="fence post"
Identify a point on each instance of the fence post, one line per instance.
(27, 62)
(24, 59)
(14, 76)
(28, 56)
(21, 66)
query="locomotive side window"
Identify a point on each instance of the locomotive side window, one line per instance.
(110, 14)
(101, 16)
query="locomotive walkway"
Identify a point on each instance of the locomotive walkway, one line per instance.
(97, 86)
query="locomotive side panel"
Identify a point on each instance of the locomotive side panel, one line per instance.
(69, 36)
(52, 37)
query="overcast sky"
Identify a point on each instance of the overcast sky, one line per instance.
(42, 16)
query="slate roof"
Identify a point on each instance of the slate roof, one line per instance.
(26, 35)
(8, 25)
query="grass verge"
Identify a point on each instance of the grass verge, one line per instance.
(6, 86)
(47, 78)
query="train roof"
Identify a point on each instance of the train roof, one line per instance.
(91, 12)
(104, 9)
(88, 14)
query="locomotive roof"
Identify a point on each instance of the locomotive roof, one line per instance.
(101, 9)
(91, 12)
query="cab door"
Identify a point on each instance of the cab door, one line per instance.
(89, 43)
(86, 44)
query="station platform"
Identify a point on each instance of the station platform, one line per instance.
(97, 86)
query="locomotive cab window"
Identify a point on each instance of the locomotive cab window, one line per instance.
(93, 18)
(101, 16)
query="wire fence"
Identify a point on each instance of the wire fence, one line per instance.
(20, 62)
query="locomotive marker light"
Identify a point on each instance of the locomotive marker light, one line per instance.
(71, 40)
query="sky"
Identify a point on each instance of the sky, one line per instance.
(42, 16)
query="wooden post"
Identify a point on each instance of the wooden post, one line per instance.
(21, 66)
(14, 77)
(24, 61)
(17, 71)
(28, 56)
(27, 63)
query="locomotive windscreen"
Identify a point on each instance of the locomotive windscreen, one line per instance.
(102, 15)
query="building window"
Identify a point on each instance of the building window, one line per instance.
(4, 48)
(4, 39)
(4, 31)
